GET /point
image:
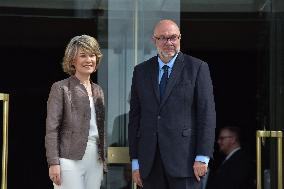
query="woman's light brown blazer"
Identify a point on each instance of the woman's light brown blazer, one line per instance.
(68, 121)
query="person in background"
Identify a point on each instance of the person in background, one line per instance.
(75, 131)
(236, 170)
(172, 116)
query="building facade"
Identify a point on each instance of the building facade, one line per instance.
(241, 40)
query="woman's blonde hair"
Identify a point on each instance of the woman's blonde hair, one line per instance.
(84, 42)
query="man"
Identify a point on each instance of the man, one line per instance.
(236, 171)
(172, 116)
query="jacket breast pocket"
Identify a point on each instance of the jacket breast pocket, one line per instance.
(184, 86)
(183, 92)
(185, 83)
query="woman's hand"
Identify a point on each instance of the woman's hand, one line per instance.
(54, 174)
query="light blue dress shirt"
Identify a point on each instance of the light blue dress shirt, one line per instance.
(201, 158)
(161, 64)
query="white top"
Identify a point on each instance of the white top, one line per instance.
(93, 123)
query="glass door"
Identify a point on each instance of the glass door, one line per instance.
(272, 163)
(240, 40)
(126, 29)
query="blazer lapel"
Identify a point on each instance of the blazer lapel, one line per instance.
(177, 68)
(76, 87)
(99, 108)
(154, 67)
(97, 100)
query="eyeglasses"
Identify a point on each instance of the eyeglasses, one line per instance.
(223, 137)
(164, 39)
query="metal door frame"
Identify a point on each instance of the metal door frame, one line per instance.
(260, 135)
(5, 98)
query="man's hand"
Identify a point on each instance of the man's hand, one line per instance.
(136, 177)
(54, 174)
(200, 169)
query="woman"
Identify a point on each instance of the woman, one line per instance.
(75, 136)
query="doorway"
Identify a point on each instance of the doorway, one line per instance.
(31, 51)
(242, 50)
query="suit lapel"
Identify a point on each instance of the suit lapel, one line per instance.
(177, 68)
(154, 76)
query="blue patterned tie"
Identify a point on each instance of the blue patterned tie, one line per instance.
(164, 80)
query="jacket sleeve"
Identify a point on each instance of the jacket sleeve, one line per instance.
(134, 119)
(206, 115)
(53, 122)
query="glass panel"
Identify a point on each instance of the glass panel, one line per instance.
(242, 42)
(276, 83)
(128, 42)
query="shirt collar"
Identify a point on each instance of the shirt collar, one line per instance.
(232, 152)
(170, 64)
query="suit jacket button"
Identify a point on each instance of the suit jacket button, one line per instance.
(159, 117)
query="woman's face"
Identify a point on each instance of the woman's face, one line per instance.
(85, 63)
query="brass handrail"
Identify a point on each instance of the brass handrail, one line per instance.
(5, 99)
(271, 134)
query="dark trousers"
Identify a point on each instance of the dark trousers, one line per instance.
(159, 179)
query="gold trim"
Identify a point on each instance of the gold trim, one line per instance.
(134, 186)
(276, 134)
(5, 99)
(279, 161)
(258, 160)
(118, 155)
(271, 134)
(262, 133)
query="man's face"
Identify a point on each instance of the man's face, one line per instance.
(225, 141)
(167, 40)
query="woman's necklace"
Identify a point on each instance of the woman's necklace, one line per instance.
(88, 87)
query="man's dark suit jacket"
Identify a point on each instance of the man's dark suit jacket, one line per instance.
(234, 173)
(182, 123)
